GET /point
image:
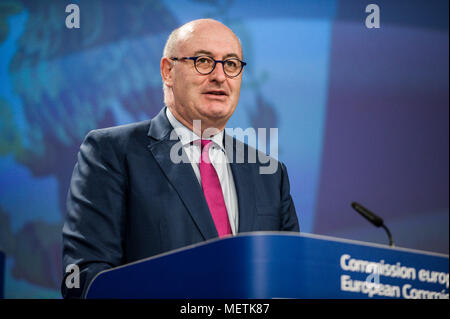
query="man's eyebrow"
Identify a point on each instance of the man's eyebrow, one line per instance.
(229, 55)
(202, 52)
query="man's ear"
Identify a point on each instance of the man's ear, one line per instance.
(166, 67)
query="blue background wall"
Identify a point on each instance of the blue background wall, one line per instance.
(362, 113)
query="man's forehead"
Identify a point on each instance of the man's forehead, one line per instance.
(205, 27)
(210, 39)
(225, 55)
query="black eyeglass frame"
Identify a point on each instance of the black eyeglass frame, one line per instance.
(194, 58)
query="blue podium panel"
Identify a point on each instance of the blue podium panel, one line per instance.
(2, 275)
(279, 265)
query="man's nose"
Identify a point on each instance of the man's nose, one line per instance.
(218, 74)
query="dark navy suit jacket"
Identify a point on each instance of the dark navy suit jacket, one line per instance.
(127, 200)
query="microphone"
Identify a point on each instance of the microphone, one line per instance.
(374, 219)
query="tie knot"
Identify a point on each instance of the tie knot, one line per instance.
(205, 143)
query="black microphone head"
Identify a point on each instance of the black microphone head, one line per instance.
(371, 217)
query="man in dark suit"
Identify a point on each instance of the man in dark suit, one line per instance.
(131, 197)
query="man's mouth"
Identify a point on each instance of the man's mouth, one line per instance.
(216, 92)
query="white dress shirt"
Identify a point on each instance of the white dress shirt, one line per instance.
(218, 160)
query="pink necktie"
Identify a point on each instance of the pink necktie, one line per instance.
(213, 191)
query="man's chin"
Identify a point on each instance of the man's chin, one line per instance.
(216, 111)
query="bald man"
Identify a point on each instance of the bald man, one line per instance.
(129, 197)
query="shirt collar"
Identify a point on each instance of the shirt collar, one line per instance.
(187, 136)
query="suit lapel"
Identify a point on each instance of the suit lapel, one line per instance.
(245, 187)
(181, 176)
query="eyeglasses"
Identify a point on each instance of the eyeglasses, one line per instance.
(204, 64)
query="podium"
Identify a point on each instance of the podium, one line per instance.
(267, 265)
